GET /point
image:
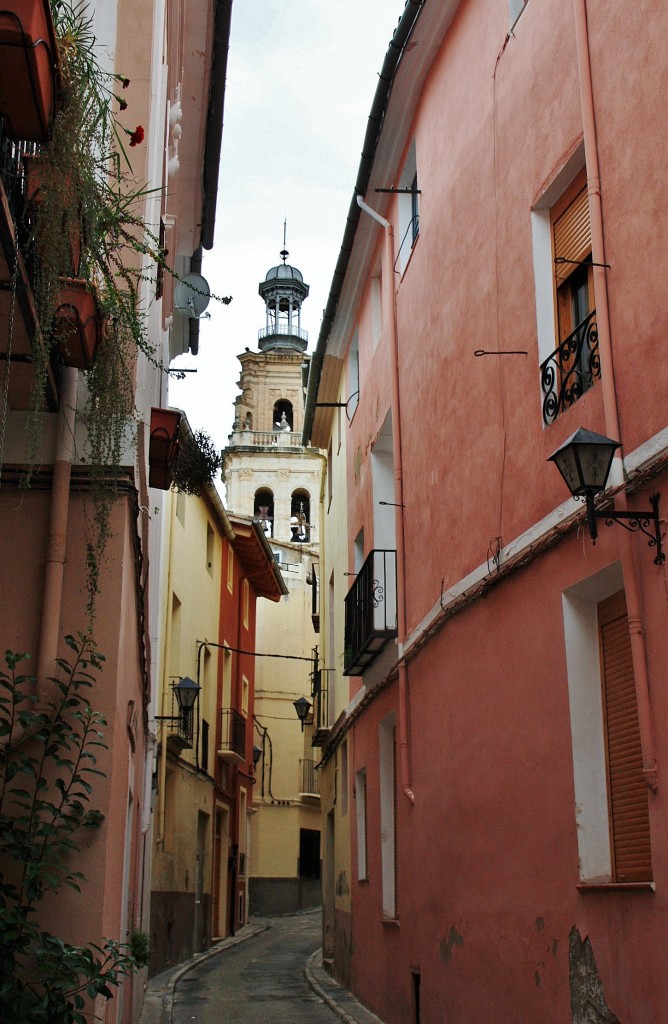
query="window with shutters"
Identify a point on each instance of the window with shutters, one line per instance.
(627, 790)
(565, 295)
(388, 816)
(571, 234)
(611, 796)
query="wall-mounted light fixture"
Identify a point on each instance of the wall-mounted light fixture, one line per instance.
(257, 754)
(584, 461)
(186, 692)
(302, 707)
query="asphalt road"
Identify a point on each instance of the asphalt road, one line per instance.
(260, 981)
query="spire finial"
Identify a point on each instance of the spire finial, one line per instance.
(284, 252)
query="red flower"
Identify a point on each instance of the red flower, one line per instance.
(121, 102)
(126, 82)
(136, 136)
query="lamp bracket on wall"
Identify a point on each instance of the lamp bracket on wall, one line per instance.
(394, 504)
(584, 461)
(638, 522)
(337, 405)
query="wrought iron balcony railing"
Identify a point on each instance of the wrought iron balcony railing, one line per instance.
(371, 611)
(232, 743)
(309, 779)
(312, 578)
(284, 330)
(180, 728)
(571, 369)
(320, 712)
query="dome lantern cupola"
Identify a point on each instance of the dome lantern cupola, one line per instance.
(283, 291)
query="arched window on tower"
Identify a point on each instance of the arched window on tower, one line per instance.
(282, 418)
(300, 517)
(264, 510)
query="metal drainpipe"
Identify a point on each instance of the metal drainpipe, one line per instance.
(388, 273)
(629, 568)
(57, 539)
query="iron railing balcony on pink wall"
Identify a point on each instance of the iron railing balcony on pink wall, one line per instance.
(371, 611)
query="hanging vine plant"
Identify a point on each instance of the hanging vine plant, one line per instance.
(92, 252)
(197, 463)
(90, 249)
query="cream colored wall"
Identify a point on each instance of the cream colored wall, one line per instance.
(267, 377)
(188, 577)
(197, 587)
(248, 470)
(176, 868)
(286, 629)
(334, 566)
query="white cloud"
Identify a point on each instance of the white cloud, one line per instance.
(300, 83)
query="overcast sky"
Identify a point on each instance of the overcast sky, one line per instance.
(301, 78)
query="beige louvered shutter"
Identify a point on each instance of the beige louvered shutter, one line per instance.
(629, 811)
(572, 231)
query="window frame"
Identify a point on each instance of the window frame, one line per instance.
(580, 607)
(408, 210)
(361, 818)
(353, 376)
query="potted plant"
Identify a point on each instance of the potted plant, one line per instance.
(28, 69)
(77, 323)
(40, 194)
(163, 447)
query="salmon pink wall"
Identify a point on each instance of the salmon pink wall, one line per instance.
(488, 855)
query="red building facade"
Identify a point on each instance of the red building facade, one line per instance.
(251, 572)
(500, 286)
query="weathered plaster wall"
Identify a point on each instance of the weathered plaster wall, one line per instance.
(487, 857)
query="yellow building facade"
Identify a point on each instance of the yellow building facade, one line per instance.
(269, 474)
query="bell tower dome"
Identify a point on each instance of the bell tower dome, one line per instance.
(283, 291)
(268, 473)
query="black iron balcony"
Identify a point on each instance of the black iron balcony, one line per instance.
(571, 369)
(232, 743)
(181, 729)
(320, 713)
(371, 611)
(309, 784)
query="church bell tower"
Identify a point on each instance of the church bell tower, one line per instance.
(267, 471)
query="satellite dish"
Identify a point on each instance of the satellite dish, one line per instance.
(191, 296)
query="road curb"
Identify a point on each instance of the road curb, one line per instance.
(309, 973)
(166, 991)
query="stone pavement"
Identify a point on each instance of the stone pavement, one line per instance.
(159, 999)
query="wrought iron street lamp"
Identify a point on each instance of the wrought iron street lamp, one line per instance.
(584, 461)
(302, 707)
(186, 692)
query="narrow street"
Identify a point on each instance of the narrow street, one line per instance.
(259, 981)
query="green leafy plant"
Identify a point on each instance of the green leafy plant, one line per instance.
(86, 220)
(197, 463)
(48, 764)
(139, 944)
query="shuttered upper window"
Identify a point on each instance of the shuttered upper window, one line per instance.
(571, 238)
(627, 790)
